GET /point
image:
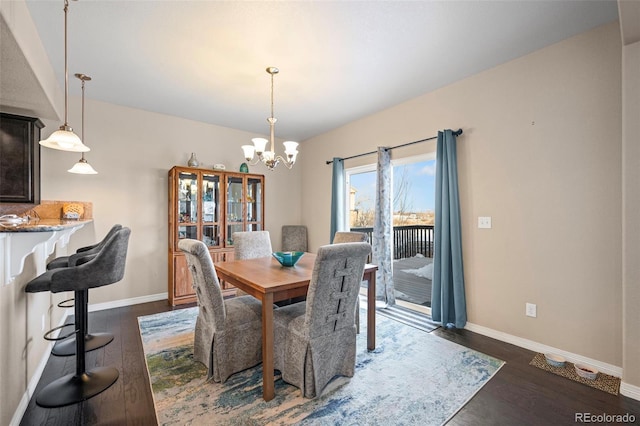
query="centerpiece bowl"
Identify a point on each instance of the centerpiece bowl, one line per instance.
(288, 258)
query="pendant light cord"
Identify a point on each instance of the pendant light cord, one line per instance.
(82, 120)
(271, 95)
(66, 71)
(272, 121)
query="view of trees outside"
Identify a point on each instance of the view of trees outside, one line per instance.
(413, 195)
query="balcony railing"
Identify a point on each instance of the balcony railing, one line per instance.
(408, 240)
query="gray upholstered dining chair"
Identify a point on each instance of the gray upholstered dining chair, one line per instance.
(228, 334)
(294, 238)
(314, 341)
(349, 237)
(352, 237)
(251, 244)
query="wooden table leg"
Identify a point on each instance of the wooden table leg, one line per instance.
(371, 310)
(268, 391)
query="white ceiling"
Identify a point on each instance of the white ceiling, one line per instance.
(338, 60)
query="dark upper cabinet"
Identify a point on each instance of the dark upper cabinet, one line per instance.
(19, 159)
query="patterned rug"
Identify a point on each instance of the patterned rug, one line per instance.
(412, 378)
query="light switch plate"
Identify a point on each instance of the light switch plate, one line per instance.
(484, 222)
(531, 310)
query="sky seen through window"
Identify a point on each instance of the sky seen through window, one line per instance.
(419, 180)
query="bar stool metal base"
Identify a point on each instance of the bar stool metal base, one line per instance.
(92, 341)
(72, 388)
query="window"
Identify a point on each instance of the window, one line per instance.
(413, 192)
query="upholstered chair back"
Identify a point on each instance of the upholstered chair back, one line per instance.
(75, 258)
(350, 237)
(252, 244)
(341, 237)
(334, 287)
(107, 267)
(294, 238)
(228, 333)
(205, 281)
(83, 254)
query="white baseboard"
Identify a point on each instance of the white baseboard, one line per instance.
(630, 391)
(612, 370)
(128, 302)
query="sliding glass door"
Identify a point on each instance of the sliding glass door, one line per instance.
(413, 220)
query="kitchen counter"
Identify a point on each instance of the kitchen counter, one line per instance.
(44, 225)
(40, 237)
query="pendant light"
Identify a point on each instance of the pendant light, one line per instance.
(64, 139)
(82, 167)
(269, 158)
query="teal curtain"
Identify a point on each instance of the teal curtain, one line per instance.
(382, 244)
(448, 304)
(337, 197)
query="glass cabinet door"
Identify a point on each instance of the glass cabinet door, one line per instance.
(235, 202)
(254, 204)
(187, 205)
(211, 210)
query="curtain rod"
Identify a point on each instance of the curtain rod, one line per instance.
(457, 133)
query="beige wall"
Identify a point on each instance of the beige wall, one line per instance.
(541, 154)
(631, 212)
(133, 150)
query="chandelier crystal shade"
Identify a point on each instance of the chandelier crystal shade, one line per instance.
(64, 139)
(82, 167)
(269, 158)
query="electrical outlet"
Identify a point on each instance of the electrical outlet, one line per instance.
(531, 310)
(484, 222)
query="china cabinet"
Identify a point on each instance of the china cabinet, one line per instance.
(209, 205)
(244, 204)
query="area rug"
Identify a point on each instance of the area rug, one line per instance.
(603, 382)
(412, 378)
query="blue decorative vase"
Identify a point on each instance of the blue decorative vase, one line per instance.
(244, 168)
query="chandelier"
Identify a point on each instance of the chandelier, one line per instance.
(269, 158)
(64, 139)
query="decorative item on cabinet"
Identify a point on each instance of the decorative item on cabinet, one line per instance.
(193, 161)
(209, 205)
(244, 168)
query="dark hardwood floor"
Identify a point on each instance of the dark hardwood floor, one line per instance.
(519, 394)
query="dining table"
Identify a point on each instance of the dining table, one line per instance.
(265, 279)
